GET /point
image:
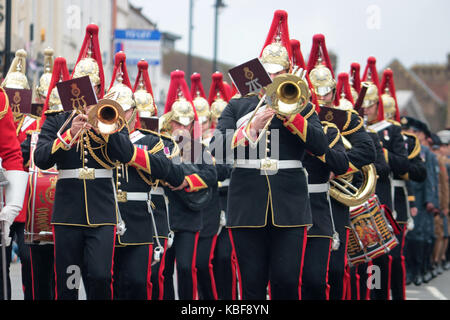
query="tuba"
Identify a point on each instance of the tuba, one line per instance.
(341, 188)
(288, 95)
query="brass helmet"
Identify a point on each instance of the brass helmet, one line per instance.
(143, 92)
(355, 94)
(124, 95)
(276, 53)
(182, 111)
(54, 102)
(344, 103)
(199, 98)
(16, 78)
(88, 67)
(322, 80)
(120, 85)
(218, 96)
(46, 78)
(217, 107)
(388, 105)
(144, 101)
(89, 61)
(202, 107)
(179, 106)
(371, 96)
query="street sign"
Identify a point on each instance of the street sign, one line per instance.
(139, 44)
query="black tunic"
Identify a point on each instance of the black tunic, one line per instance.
(335, 161)
(251, 194)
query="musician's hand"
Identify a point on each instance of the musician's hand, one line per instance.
(79, 123)
(260, 121)
(413, 211)
(185, 184)
(430, 207)
(332, 175)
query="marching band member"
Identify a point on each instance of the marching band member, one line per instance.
(145, 104)
(42, 259)
(16, 79)
(16, 179)
(415, 171)
(134, 249)
(269, 214)
(322, 234)
(84, 232)
(224, 262)
(207, 289)
(389, 133)
(180, 120)
(362, 153)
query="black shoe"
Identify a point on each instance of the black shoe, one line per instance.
(418, 280)
(446, 265)
(427, 277)
(434, 271)
(439, 268)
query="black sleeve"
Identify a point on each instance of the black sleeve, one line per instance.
(380, 163)
(44, 157)
(397, 152)
(336, 157)
(316, 140)
(417, 170)
(120, 147)
(223, 171)
(363, 150)
(26, 146)
(220, 144)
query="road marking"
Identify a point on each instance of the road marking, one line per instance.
(413, 291)
(436, 293)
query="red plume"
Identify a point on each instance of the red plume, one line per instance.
(343, 86)
(297, 56)
(279, 26)
(217, 86)
(60, 72)
(228, 89)
(387, 81)
(91, 41)
(120, 64)
(319, 43)
(197, 86)
(234, 90)
(177, 84)
(372, 68)
(143, 72)
(355, 76)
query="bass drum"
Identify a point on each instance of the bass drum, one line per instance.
(372, 235)
(41, 196)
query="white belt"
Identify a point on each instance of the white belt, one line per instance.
(158, 191)
(318, 188)
(136, 196)
(398, 183)
(269, 164)
(85, 174)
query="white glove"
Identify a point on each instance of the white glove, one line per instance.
(14, 195)
(7, 226)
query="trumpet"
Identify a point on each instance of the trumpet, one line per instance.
(288, 95)
(107, 117)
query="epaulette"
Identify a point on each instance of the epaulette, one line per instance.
(146, 131)
(311, 112)
(417, 147)
(394, 122)
(344, 131)
(327, 125)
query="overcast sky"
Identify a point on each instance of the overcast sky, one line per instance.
(412, 31)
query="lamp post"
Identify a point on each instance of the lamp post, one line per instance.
(191, 27)
(219, 4)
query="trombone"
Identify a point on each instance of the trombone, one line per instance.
(107, 117)
(288, 95)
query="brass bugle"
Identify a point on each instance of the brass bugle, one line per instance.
(107, 116)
